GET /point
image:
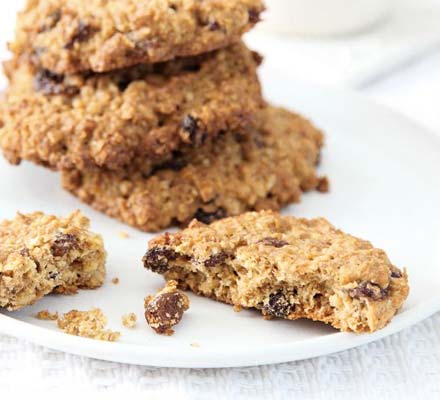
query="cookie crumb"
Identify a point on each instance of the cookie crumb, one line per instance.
(195, 345)
(323, 185)
(129, 320)
(115, 281)
(88, 324)
(123, 235)
(46, 315)
(166, 308)
(237, 307)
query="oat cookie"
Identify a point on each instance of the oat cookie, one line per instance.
(41, 254)
(285, 267)
(139, 115)
(102, 35)
(233, 174)
(165, 310)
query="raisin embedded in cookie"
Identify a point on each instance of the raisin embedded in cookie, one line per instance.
(95, 35)
(286, 268)
(139, 115)
(227, 176)
(165, 310)
(41, 254)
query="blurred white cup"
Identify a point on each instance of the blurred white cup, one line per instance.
(325, 17)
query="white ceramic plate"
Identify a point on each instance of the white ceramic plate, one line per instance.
(385, 187)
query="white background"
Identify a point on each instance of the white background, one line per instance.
(406, 365)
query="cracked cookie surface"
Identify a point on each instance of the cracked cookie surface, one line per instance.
(139, 115)
(227, 176)
(102, 35)
(285, 267)
(41, 254)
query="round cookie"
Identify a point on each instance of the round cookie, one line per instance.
(103, 35)
(145, 112)
(227, 176)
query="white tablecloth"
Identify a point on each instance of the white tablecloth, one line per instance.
(403, 366)
(406, 365)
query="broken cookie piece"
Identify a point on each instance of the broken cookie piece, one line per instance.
(41, 254)
(88, 324)
(166, 308)
(285, 267)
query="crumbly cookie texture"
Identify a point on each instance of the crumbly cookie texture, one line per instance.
(138, 116)
(165, 310)
(233, 174)
(286, 267)
(46, 315)
(102, 35)
(41, 254)
(90, 324)
(129, 320)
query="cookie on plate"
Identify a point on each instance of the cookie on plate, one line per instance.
(145, 112)
(41, 254)
(102, 35)
(227, 176)
(285, 267)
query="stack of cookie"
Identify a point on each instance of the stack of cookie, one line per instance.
(152, 110)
